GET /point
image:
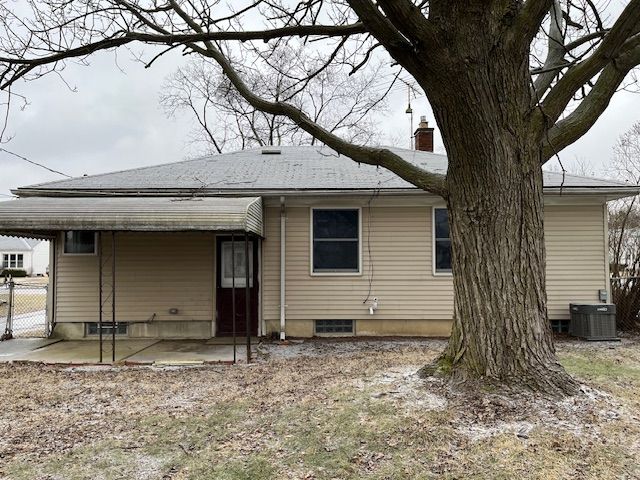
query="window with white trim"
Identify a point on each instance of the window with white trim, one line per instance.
(336, 240)
(441, 241)
(13, 260)
(80, 242)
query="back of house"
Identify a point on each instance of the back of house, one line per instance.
(286, 241)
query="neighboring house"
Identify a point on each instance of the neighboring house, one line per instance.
(26, 254)
(335, 247)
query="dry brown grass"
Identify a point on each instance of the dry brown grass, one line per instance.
(346, 410)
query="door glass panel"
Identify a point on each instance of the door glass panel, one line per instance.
(240, 264)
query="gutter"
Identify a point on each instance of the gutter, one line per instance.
(283, 232)
(188, 192)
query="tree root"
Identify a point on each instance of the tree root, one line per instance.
(550, 381)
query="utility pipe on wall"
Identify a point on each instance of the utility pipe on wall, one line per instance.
(283, 231)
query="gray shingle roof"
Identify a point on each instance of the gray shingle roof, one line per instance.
(294, 169)
(15, 244)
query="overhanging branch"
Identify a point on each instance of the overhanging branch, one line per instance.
(560, 95)
(575, 125)
(383, 157)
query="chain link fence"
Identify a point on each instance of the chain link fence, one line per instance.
(625, 293)
(23, 311)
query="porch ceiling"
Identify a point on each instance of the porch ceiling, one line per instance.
(46, 215)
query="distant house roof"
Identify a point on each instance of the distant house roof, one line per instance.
(278, 169)
(15, 244)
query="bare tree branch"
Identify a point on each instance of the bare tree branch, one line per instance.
(575, 125)
(625, 27)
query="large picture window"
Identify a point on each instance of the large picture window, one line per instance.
(441, 241)
(80, 242)
(336, 240)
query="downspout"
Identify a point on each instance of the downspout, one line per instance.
(283, 231)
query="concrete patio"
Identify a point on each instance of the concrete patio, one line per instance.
(132, 352)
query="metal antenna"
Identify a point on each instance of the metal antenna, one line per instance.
(409, 111)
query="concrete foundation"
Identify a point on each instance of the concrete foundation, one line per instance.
(371, 327)
(152, 330)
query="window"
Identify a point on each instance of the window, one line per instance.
(441, 241)
(240, 264)
(80, 243)
(334, 326)
(336, 240)
(107, 328)
(13, 260)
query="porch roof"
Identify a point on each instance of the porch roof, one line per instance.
(43, 216)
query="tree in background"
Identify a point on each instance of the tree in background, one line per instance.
(226, 121)
(624, 234)
(511, 83)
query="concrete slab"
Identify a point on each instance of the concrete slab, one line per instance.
(229, 341)
(83, 351)
(182, 352)
(16, 347)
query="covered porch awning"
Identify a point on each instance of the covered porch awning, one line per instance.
(44, 216)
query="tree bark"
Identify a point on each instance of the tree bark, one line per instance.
(501, 333)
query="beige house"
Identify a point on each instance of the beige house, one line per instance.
(332, 247)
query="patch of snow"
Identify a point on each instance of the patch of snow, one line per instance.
(404, 386)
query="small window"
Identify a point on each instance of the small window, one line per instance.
(227, 280)
(107, 328)
(441, 241)
(13, 260)
(80, 243)
(334, 326)
(336, 240)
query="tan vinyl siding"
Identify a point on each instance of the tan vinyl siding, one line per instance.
(154, 272)
(403, 280)
(576, 262)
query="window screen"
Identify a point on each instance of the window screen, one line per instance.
(80, 242)
(334, 326)
(336, 242)
(442, 241)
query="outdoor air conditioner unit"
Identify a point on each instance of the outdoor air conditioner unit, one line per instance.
(593, 321)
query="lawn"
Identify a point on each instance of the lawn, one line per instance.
(317, 410)
(24, 303)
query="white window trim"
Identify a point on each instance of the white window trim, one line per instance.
(95, 246)
(8, 264)
(433, 243)
(335, 274)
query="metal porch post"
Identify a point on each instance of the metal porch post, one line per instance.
(247, 290)
(113, 296)
(100, 300)
(233, 293)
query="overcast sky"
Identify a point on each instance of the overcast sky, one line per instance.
(113, 122)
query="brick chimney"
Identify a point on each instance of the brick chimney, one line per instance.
(424, 136)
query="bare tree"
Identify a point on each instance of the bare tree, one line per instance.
(624, 234)
(510, 82)
(225, 120)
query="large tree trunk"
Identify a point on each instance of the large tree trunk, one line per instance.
(500, 331)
